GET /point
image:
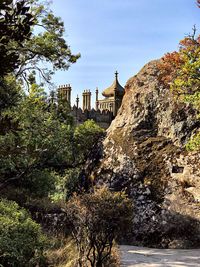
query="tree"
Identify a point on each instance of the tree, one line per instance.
(30, 35)
(36, 143)
(40, 142)
(10, 94)
(33, 139)
(22, 49)
(15, 28)
(73, 179)
(21, 239)
(180, 72)
(85, 136)
(97, 219)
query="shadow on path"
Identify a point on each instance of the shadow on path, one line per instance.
(132, 256)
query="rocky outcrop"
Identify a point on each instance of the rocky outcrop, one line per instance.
(144, 155)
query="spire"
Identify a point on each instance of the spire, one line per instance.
(116, 74)
(109, 92)
(77, 101)
(97, 93)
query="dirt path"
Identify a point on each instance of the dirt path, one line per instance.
(142, 257)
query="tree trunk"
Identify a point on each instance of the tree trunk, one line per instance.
(99, 263)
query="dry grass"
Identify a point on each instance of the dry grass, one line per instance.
(63, 256)
(114, 260)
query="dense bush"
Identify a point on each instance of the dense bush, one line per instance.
(21, 239)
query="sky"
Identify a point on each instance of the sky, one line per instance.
(120, 35)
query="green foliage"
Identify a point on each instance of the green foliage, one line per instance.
(72, 182)
(10, 92)
(63, 111)
(39, 183)
(194, 143)
(187, 80)
(35, 139)
(48, 45)
(193, 99)
(97, 219)
(16, 21)
(67, 184)
(180, 70)
(31, 34)
(41, 150)
(86, 135)
(39, 142)
(82, 140)
(44, 141)
(21, 239)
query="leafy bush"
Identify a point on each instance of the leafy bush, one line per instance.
(41, 145)
(85, 136)
(39, 183)
(66, 185)
(97, 219)
(72, 182)
(38, 144)
(21, 239)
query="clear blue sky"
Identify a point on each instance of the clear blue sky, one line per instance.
(120, 35)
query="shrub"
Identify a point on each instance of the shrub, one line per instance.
(85, 136)
(66, 185)
(21, 239)
(97, 219)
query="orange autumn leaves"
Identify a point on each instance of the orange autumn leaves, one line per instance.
(180, 70)
(168, 67)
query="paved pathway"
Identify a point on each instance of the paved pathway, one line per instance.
(149, 257)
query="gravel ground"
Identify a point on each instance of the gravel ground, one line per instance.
(132, 256)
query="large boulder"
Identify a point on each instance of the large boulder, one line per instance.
(144, 155)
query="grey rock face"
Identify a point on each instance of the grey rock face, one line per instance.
(144, 155)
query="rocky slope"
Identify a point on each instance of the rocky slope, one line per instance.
(144, 155)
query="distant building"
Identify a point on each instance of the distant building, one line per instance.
(113, 97)
(105, 109)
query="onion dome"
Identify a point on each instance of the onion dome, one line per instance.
(110, 91)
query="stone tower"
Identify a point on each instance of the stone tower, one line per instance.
(64, 91)
(86, 100)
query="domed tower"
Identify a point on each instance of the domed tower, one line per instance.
(113, 97)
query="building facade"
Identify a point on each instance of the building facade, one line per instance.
(105, 109)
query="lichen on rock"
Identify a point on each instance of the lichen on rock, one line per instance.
(142, 152)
